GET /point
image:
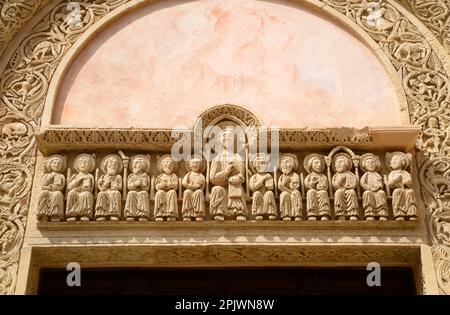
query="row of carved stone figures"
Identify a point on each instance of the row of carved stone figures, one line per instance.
(100, 196)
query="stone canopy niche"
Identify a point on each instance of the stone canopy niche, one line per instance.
(351, 177)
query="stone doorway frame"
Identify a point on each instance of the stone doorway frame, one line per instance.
(417, 257)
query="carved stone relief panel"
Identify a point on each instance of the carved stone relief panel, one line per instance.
(327, 184)
(25, 81)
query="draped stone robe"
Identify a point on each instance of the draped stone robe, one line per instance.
(227, 199)
(194, 199)
(290, 197)
(166, 200)
(138, 199)
(374, 197)
(403, 198)
(345, 198)
(263, 198)
(109, 199)
(317, 199)
(80, 199)
(51, 199)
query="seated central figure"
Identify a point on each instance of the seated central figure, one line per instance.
(228, 175)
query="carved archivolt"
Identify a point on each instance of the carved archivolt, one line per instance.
(25, 81)
(13, 15)
(209, 116)
(435, 14)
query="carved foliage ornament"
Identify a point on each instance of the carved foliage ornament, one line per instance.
(13, 15)
(435, 14)
(25, 81)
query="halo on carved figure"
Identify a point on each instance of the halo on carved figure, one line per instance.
(50, 159)
(213, 115)
(406, 159)
(259, 156)
(307, 163)
(164, 157)
(291, 156)
(368, 156)
(198, 157)
(146, 159)
(90, 158)
(105, 160)
(340, 155)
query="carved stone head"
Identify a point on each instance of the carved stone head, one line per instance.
(260, 163)
(196, 164)
(227, 139)
(15, 131)
(84, 163)
(370, 163)
(167, 165)
(140, 164)
(111, 165)
(288, 163)
(342, 162)
(398, 160)
(55, 163)
(314, 163)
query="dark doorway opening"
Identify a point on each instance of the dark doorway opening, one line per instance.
(228, 281)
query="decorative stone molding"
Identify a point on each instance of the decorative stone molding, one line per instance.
(441, 256)
(227, 111)
(13, 15)
(435, 181)
(25, 81)
(54, 139)
(217, 256)
(229, 255)
(435, 14)
(231, 225)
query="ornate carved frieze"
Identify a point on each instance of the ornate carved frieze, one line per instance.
(13, 15)
(441, 256)
(339, 184)
(227, 255)
(435, 14)
(51, 140)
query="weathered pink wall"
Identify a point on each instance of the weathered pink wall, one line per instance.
(164, 64)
